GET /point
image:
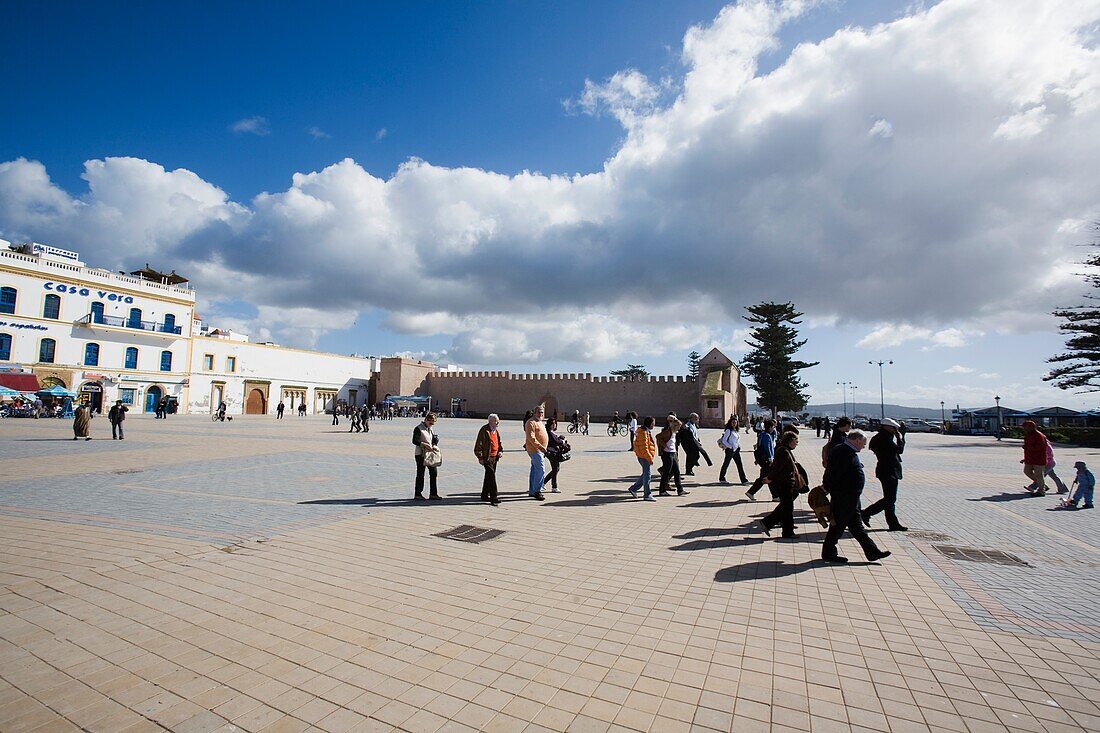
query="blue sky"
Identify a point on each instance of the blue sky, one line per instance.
(247, 95)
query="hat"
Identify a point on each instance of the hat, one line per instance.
(1080, 464)
(890, 423)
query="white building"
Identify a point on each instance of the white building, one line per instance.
(102, 334)
(136, 337)
(252, 378)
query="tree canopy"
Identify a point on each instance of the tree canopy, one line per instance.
(773, 342)
(632, 372)
(1080, 363)
(693, 365)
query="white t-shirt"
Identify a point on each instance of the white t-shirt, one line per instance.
(633, 424)
(730, 439)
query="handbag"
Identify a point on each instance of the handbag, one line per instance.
(433, 458)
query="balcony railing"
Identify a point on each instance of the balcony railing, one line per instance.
(119, 322)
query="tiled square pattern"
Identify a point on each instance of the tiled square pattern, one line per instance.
(273, 576)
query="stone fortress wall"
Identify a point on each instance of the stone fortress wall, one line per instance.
(510, 395)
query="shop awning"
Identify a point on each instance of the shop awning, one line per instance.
(20, 382)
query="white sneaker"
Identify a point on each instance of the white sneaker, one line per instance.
(555, 490)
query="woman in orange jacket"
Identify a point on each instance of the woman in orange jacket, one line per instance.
(645, 448)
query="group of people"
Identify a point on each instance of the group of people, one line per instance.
(1039, 465)
(280, 409)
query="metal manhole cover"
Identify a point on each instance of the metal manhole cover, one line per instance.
(469, 533)
(924, 534)
(975, 554)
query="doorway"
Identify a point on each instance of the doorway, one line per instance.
(256, 404)
(91, 394)
(152, 398)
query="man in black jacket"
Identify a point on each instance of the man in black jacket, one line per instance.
(688, 439)
(887, 445)
(844, 480)
(116, 416)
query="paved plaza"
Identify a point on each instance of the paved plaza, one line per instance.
(265, 575)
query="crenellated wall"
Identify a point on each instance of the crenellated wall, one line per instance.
(510, 395)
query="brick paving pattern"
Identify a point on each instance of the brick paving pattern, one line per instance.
(273, 576)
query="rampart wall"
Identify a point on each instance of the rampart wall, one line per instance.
(510, 395)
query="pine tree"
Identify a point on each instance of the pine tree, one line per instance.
(633, 372)
(1081, 359)
(693, 365)
(771, 364)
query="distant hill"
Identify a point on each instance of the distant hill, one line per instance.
(872, 410)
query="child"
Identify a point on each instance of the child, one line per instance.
(1085, 483)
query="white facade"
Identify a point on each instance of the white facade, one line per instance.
(107, 336)
(253, 378)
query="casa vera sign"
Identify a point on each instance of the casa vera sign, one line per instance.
(87, 292)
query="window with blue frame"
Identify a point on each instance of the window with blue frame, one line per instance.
(91, 355)
(7, 300)
(134, 321)
(46, 349)
(166, 361)
(169, 323)
(126, 394)
(131, 358)
(97, 312)
(52, 307)
(5, 347)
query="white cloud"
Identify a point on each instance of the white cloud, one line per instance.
(724, 176)
(989, 375)
(318, 134)
(381, 134)
(958, 369)
(253, 125)
(882, 128)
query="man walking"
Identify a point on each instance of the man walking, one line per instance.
(536, 440)
(844, 481)
(488, 448)
(763, 454)
(279, 410)
(887, 445)
(693, 446)
(116, 415)
(335, 413)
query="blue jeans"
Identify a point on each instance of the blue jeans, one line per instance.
(538, 472)
(643, 480)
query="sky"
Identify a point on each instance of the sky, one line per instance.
(572, 186)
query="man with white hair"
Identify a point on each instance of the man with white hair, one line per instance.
(488, 448)
(536, 440)
(844, 480)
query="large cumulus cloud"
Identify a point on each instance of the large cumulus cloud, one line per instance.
(936, 168)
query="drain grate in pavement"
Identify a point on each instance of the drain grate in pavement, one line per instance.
(469, 533)
(974, 554)
(928, 536)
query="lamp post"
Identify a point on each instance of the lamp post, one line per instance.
(881, 397)
(844, 392)
(855, 409)
(943, 420)
(997, 399)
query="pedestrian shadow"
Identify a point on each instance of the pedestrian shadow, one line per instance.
(1004, 496)
(762, 570)
(448, 499)
(622, 479)
(716, 504)
(595, 499)
(743, 536)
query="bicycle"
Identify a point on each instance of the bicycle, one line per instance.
(614, 429)
(216, 416)
(574, 428)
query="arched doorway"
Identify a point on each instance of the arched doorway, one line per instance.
(256, 404)
(47, 382)
(152, 398)
(91, 394)
(549, 405)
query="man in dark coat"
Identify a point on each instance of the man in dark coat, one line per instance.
(116, 415)
(887, 445)
(688, 439)
(844, 480)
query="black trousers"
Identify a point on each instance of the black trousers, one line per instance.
(552, 477)
(432, 475)
(764, 468)
(670, 471)
(335, 418)
(691, 459)
(489, 484)
(846, 517)
(734, 455)
(887, 502)
(116, 427)
(782, 515)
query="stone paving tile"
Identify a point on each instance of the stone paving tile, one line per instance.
(590, 612)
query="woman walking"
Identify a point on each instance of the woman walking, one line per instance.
(645, 448)
(670, 465)
(82, 423)
(887, 445)
(732, 445)
(556, 447)
(425, 441)
(785, 481)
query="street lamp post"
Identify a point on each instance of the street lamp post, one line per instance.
(844, 392)
(997, 399)
(881, 394)
(943, 420)
(855, 409)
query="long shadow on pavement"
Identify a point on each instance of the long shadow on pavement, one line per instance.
(1005, 496)
(767, 569)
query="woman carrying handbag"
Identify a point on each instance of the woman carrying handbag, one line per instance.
(428, 457)
(557, 452)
